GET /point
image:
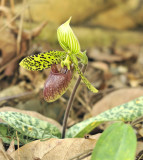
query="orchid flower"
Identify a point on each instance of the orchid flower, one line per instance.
(58, 81)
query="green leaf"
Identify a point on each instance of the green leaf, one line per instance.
(126, 112)
(67, 38)
(88, 84)
(7, 134)
(117, 142)
(30, 126)
(43, 60)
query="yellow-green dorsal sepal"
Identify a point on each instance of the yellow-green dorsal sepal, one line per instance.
(88, 84)
(43, 60)
(67, 38)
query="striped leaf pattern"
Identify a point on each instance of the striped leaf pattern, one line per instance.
(67, 38)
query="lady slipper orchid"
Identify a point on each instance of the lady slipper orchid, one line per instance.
(58, 81)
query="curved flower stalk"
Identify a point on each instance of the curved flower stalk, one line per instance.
(54, 88)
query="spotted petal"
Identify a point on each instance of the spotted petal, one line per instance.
(43, 60)
(88, 84)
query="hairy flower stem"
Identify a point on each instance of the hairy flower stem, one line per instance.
(70, 102)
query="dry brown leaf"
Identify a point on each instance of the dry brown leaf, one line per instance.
(11, 148)
(120, 55)
(55, 149)
(12, 90)
(139, 147)
(100, 65)
(9, 42)
(118, 81)
(140, 132)
(116, 98)
(35, 77)
(32, 113)
(97, 55)
(3, 155)
(7, 46)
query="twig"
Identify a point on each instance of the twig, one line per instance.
(140, 158)
(12, 6)
(70, 102)
(18, 145)
(6, 12)
(2, 76)
(4, 26)
(2, 3)
(136, 121)
(87, 107)
(16, 96)
(20, 31)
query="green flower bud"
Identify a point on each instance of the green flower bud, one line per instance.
(67, 38)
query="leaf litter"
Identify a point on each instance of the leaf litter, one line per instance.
(114, 70)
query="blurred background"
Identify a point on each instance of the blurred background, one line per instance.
(110, 31)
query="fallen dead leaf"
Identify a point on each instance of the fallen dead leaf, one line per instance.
(139, 147)
(100, 65)
(141, 132)
(11, 148)
(97, 55)
(119, 81)
(119, 55)
(116, 98)
(32, 113)
(34, 76)
(12, 48)
(3, 155)
(55, 149)
(12, 90)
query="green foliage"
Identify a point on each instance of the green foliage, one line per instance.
(126, 112)
(7, 134)
(117, 142)
(29, 126)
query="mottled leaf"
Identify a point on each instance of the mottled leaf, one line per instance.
(43, 60)
(30, 126)
(88, 84)
(126, 112)
(117, 142)
(7, 134)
